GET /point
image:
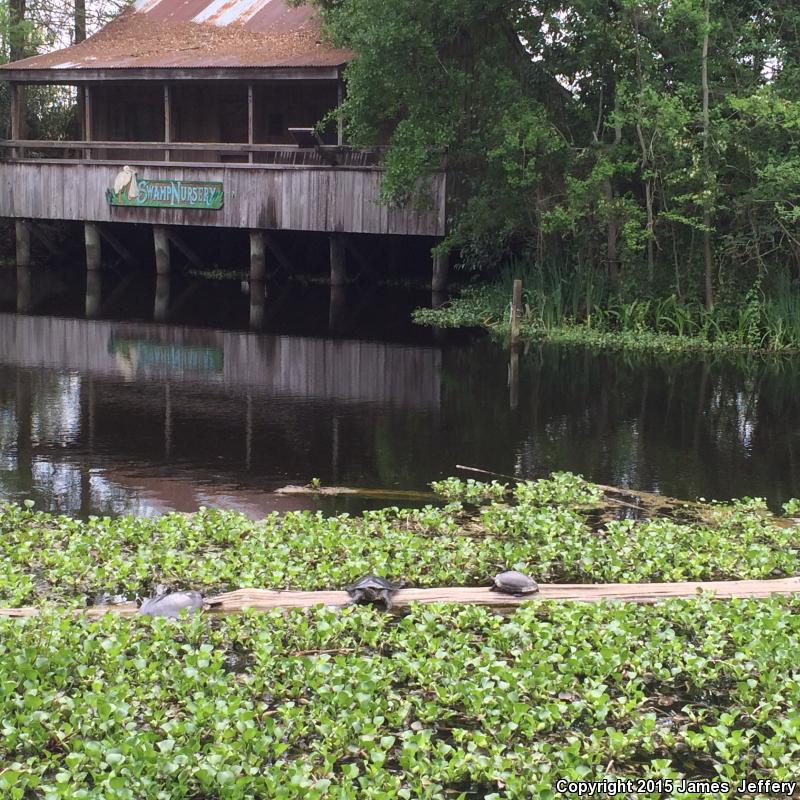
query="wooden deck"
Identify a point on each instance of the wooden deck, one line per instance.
(268, 600)
(256, 196)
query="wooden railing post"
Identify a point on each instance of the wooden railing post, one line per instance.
(17, 118)
(87, 122)
(250, 121)
(167, 120)
(339, 120)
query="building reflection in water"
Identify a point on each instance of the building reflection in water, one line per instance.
(171, 418)
(336, 308)
(24, 303)
(258, 296)
(161, 302)
(94, 292)
(106, 417)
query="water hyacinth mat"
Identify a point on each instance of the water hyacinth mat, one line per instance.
(443, 702)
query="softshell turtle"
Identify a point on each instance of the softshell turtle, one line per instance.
(170, 604)
(513, 582)
(373, 589)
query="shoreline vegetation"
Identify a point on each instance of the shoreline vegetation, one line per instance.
(575, 309)
(439, 702)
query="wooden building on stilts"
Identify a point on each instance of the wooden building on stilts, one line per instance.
(203, 113)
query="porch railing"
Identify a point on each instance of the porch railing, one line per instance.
(255, 155)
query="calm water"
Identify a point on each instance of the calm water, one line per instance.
(124, 414)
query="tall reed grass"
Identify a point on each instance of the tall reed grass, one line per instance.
(766, 317)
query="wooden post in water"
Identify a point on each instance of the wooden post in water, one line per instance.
(336, 307)
(258, 296)
(23, 236)
(161, 301)
(513, 378)
(338, 260)
(441, 268)
(516, 310)
(94, 292)
(161, 242)
(94, 253)
(24, 304)
(258, 257)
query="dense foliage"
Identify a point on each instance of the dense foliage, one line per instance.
(443, 703)
(656, 143)
(553, 529)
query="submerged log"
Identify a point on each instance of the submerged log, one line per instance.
(268, 599)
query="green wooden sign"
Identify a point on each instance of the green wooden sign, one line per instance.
(130, 190)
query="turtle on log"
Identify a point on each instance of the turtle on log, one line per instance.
(373, 589)
(170, 604)
(513, 582)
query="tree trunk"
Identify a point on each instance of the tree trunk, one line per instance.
(612, 239)
(612, 235)
(16, 25)
(80, 20)
(707, 250)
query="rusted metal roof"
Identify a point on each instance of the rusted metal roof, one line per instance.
(187, 34)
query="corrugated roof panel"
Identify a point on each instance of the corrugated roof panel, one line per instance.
(200, 34)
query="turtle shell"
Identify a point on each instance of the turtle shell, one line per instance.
(374, 582)
(513, 582)
(171, 604)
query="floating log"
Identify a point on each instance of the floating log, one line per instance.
(380, 494)
(268, 599)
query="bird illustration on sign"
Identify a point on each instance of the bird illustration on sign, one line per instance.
(126, 179)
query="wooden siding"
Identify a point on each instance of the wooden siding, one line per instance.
(340, 199)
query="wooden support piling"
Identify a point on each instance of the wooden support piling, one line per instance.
(94, 252)
(645, 593)
(258, 257)
(161, 243)
(161, 301)
(516, 310)
(94, 292)
(441, 269)
(338, 260)
(23, 243)
(24, 294)
(258, 294)
(336, 308)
